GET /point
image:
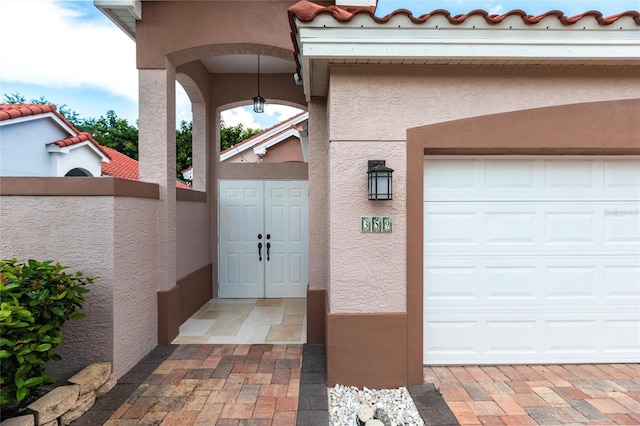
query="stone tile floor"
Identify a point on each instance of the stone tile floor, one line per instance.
(245, 321)
(598, 394)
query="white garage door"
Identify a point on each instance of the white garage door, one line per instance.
(531, 260)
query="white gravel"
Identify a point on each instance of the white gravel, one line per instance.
(345, 401)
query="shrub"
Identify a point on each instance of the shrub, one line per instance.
(37, 298)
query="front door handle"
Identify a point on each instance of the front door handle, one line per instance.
(268, 247)
(260, 252)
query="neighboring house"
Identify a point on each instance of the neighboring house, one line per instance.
(36, 140)
(516, 185)
(284, 142)
(187, 174)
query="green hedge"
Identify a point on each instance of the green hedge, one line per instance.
(37, 298)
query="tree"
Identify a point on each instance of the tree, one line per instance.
(230, 136)
(184, 147)
(113, 132)
(72, 116)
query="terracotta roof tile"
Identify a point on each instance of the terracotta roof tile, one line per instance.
(9, 111)
(81, 137)
(121, 166)
(307, 11)
(125, 167)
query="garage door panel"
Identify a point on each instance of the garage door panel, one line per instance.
(525, 338)
(621, 174)
(622, 225)
(531, 260)
(550, 179)
(569, 174)
(622, 337)
(577, 336)
(526, 281)
(623, 283)
(595, 226)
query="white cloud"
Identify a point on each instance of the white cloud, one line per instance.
(183, 105)
(240, 115)
(281, 112)
(46, 43)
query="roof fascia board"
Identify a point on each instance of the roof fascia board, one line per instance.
(133, 8)
(469, 43)
(50, 115)
(53, 148)
(281, 137)
(512, 41)
(264, 136)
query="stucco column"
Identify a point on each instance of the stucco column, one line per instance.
(157, 151)
(318, 196)
(200, 151)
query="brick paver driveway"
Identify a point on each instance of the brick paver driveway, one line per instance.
(600, 394)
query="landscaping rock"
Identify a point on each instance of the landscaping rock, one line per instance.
(92, 377)
(84, 403)
(53, 422)
(54, 404)
(110, 383)
(27, 420)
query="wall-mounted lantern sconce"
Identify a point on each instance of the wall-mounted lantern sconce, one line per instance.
(258, 101)
(379, 180)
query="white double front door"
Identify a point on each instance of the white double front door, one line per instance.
(263, 238)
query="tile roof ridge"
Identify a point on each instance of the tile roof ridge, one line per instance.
(307, 11)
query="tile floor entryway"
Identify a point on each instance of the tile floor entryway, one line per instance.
(245, 321)
(595, 394)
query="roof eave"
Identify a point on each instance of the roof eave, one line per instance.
(123, 13)
(53, 148)
(514, 41)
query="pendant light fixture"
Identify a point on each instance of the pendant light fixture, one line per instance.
(258, 101)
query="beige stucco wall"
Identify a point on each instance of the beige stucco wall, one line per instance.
(77, 232)
(162, 29)
(371, 102)
(318, 195)
(135, 313)
(371, 107)
(368, 270)
(192, 252)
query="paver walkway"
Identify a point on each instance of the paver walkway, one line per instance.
(218, 385)
(599, 394)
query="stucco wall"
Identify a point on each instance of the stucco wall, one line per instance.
(134, 281)
(368, 271)
(244, 22)
(75, 231)
(318, 196)
(192, 252)
(381, 102)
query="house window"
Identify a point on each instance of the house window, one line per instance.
(78, 172)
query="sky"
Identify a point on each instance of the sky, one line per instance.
(70, 53)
